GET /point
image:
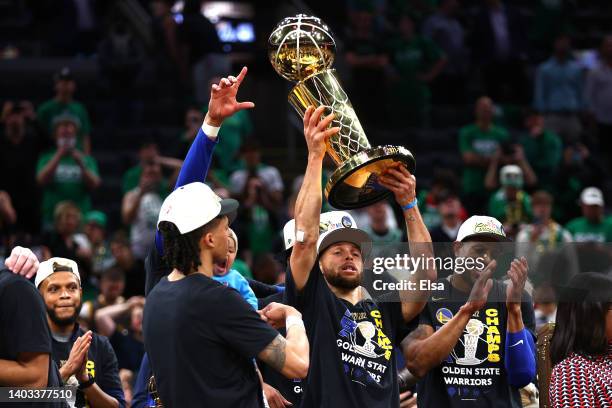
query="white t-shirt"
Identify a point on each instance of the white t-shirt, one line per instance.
(269, 176)
(144, 227)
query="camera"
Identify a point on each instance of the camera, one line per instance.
(66, 142)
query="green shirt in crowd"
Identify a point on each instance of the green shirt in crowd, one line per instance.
(543, 153)
(583, 230)
(510, 212)
(67, 184)
(131, 180)
(261, 234)
(392, 235)
(231, 135)
(53, 108)
(484, 143)
(412, 59)
(242, 268)
(429, 213)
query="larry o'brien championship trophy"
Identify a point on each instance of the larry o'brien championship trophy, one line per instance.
(302, 49)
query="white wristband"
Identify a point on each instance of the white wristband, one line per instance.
(291, 321)
(210, 131)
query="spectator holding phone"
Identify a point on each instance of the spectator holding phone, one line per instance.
(511, 204)
(62, 103)
(544, 234)
(66, 173)
(140, 208)
(259, 189)
(478, 143)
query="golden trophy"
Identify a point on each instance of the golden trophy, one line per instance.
(302, 49)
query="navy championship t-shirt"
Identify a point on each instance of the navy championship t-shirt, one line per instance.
(101, 365)
(201, 338)
(473, 375)
(351, 347)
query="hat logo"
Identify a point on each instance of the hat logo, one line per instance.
(324, 226)
(346, 222)
(168, 209)
(61, 268)
(489, 227)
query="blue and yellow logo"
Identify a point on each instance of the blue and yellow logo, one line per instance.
(444, 315)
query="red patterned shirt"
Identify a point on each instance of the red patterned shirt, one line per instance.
(581, 382)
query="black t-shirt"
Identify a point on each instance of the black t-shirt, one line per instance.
(129, 350)
(101, 364)
(201, 338)
(473, 375)
(58, 247)
(155, 268)
(20, 159)
(134, 280)
(351, 347)
(24, 327)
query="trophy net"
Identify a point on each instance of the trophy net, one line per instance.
(324, 89)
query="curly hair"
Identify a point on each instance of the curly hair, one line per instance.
(182, 251)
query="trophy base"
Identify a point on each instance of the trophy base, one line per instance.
(468, 361)
(355, 183)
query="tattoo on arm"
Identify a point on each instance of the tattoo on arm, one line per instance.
(410, 218)
(274, 353)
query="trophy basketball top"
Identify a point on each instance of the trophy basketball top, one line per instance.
(301, 46)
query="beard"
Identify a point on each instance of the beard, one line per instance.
(64, 321)
(340, 282)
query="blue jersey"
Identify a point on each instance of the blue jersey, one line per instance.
(235, 280)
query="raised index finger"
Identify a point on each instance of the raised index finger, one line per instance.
(241, 75)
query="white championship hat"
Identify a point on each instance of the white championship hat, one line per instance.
(193, 205)
(289, 234)
(234, 237)
(52, 265)
(482, 226)
(339, 226)
(334, 226)
(592, 196)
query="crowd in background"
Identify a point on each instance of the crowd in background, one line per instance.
(537, 155)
